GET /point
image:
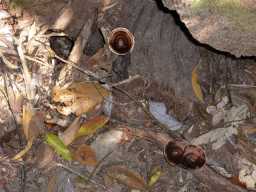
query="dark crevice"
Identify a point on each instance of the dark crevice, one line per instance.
(185, 30)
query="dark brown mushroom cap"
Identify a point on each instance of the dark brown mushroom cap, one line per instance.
(174, 151)
(121, 42)
(193, 157)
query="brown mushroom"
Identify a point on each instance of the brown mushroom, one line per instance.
(180, 152)
(193, 157)
(174, 151)
(121, 42)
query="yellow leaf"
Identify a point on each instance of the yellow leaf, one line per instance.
(92, 125)
(26, 118)
(196, 86)
(32, 31)
(154, 178)
(24, 151)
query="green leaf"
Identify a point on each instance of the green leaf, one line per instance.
(154, 179)
(92, 125)
(59, 146)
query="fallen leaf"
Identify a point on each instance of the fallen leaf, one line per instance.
(59, 146)
(44, 157)
(84, 152)
(154, 178)
(36, 125)
(79, 98)
(26, 118)
(92, 125)
(51, 183)
(69, 135)
(24, 151)
(32, 31)
(129, 178)
(196, 86)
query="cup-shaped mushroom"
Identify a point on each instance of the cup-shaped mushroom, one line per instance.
(174, 151)
(121, 42)
(193, 157)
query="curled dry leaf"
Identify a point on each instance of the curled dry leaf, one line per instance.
(24, 151)
(129, 178)
(92, 125)
(26, 118)
(84, 151)
(79, 98)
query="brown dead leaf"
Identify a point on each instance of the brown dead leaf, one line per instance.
(84, 151)
(44, 157)
(196, 86)
(26, 118)
(69, 135)
(79, 98)
(129, 178)
(36, 125)
(108, 181)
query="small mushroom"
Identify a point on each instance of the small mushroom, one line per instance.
(174, 151)
(121, 42)
(193, 157)
(180, 152)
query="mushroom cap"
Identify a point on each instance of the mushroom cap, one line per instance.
(180, 152)
(121, 42)
(193, 157)
(174, 151)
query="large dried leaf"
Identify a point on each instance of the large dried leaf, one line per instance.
(44, 157)
(129, 178)
(196, 86)
(79, 98)
(59, 146)
(24, 151)
(84, 152)
(69, 135)
(92, 125)
(26, 118)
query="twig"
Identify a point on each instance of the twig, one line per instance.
(127, 80)
(100, 163)
(10, 51)
(83, 176)
(29, 88)
(240, 86)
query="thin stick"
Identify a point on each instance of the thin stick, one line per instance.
(83, 176)
(28, 82)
